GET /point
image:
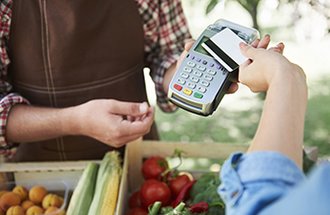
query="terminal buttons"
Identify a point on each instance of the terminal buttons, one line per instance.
(177, 87)
(187, 91)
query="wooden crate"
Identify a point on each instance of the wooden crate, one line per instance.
(69, 172)
(58, 177)
(136, 151)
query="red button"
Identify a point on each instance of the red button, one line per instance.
(177, 87)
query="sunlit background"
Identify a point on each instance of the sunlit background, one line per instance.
(303, 25)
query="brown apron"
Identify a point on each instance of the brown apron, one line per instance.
(65, 53)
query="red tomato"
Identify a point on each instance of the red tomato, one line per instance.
(137, 211)
(134, 200)
(153, 190)
(153, 167)
(176, 184)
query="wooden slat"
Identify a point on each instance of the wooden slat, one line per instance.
(135, 152)
(206, 150)
(43, 166)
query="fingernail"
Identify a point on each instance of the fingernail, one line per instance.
(143, 107)
(242, 45)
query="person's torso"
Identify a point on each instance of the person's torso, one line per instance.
(64, 53)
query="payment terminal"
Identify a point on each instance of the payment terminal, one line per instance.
(201, 81)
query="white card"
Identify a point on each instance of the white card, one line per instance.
(224, 47)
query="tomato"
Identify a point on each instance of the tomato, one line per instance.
(176, 184)
(153, 167)
(134, 200)
(153, 190)
(137, 211)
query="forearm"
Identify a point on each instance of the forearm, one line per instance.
(28, 123)
(281, 125)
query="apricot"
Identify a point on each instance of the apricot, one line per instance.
(27, 204)
(37, 193)
(9, 199)
(34, 210)
(54, 211)
(15, 210)
(21, 191)
(3, 192)
(52, 200)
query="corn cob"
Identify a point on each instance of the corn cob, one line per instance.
(105, 197)
(83, 194)
(112, 187)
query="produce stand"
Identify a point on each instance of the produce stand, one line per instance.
(68, 173)
(137, 151)
(57, 177)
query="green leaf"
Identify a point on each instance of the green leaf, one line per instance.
(308, 164)
(205, 189)
(211, 5)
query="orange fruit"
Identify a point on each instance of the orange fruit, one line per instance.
(15, 210)
(37, 193)
(52, 200)
(9, 199)
(3, 192)
(34, 210)
(21, 191)
(27, 204)
(54, 211)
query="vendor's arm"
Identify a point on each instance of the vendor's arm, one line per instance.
(114, 122)
(109, 121)
(166, 34)
(7, 99)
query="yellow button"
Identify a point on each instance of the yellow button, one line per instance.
(187, 91)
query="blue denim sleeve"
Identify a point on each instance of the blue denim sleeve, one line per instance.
(251, 182)
(307, 198)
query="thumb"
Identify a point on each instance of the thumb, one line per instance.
(129, 108)
(189, 43)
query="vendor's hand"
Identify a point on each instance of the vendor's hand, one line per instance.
(265, 66)
(114, 122)
(233, 87)
(171, 70)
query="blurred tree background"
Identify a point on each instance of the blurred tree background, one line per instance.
(252, 6)
(304, 26)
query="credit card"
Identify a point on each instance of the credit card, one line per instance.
(224, 47)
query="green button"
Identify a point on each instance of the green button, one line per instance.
(198, 95)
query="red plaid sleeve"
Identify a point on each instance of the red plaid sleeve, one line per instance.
(6, 100)
(6, 104)
(166, 31)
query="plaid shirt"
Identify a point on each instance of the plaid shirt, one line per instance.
(165, 32)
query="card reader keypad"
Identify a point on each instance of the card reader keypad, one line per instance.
(196, 77)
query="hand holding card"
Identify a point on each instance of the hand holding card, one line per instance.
(224, 47)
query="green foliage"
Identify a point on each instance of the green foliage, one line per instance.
(308, 164)
(210, 6)
(228, 126)
(205, 189)
(317, 123)
(224, 126)
(251, 6)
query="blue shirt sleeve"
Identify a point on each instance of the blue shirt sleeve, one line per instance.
(307, 198)
(251, 182)
(269, 183)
